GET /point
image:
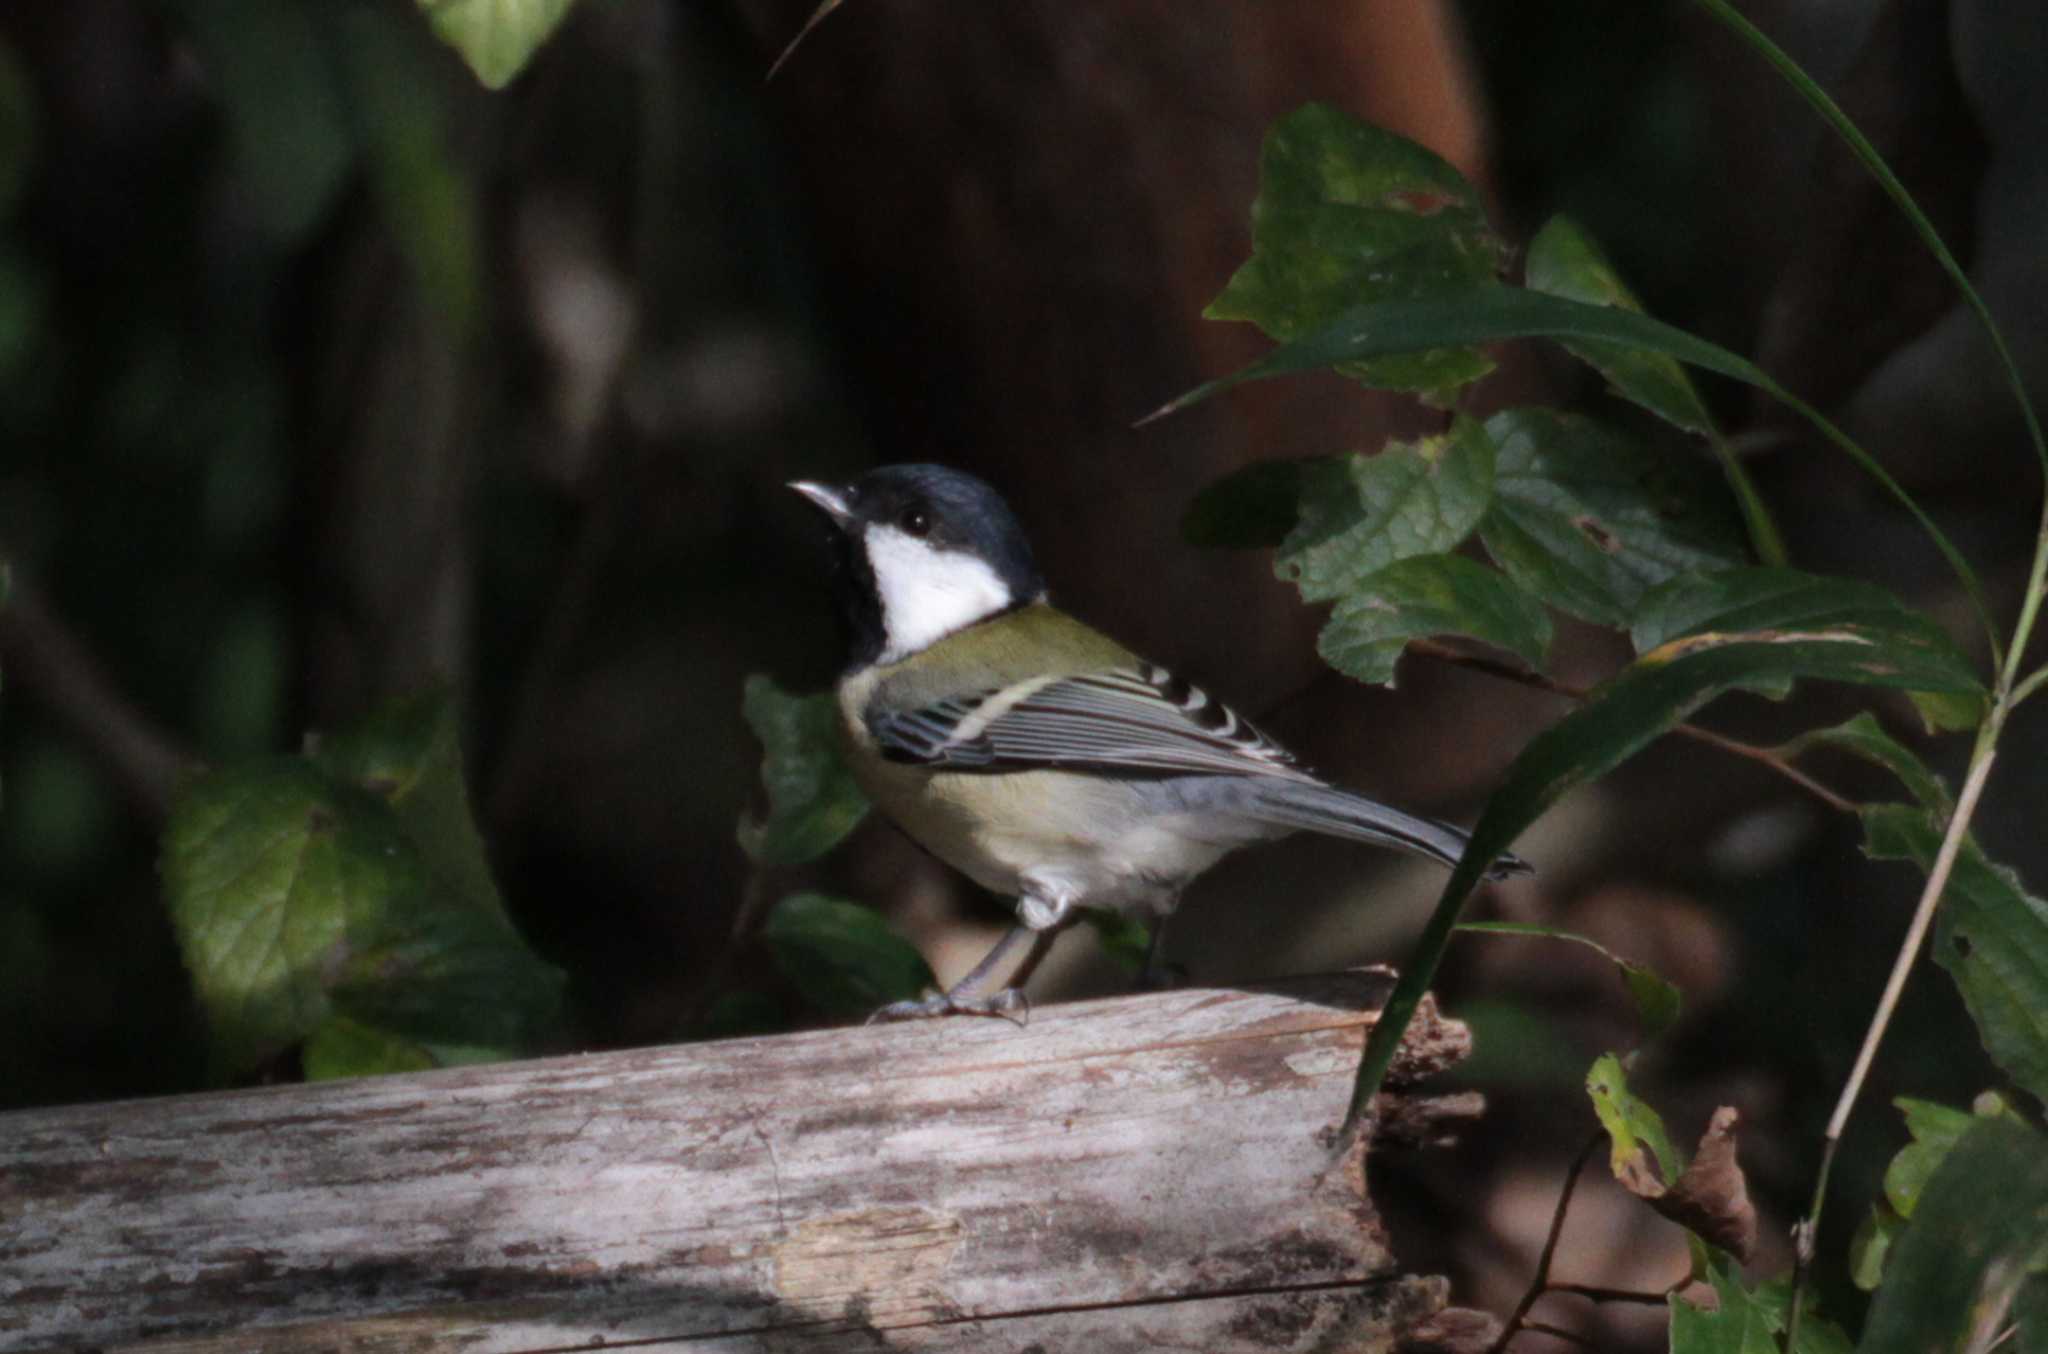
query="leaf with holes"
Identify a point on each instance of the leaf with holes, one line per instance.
(1360, 513)
(1990, 934)
(1589, 522)
(1348, 212)
(813, 801)
(1429, 595)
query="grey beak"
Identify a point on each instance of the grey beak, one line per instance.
(829, 500)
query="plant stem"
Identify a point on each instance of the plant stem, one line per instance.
(1808, 1230)
(1762, 756)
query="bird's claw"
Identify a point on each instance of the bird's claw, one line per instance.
(1009, 1004)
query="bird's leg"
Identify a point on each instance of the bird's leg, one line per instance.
(1041, 911)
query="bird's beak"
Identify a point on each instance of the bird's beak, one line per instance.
(831, 501)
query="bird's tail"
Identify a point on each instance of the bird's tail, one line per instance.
(1339, 813)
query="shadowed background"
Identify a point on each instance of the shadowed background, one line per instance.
(325, 375)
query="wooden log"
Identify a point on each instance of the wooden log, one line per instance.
(1144, 1172)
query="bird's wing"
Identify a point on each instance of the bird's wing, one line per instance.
(1129, 721)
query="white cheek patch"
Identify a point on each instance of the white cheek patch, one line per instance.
(926, 593)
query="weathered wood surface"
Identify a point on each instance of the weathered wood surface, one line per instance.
(1144, 1172)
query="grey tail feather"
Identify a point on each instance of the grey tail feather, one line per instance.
(1339, 813)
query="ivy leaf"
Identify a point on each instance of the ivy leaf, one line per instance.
(842, 957)
(495, 37)
(813, 801)
(1979, 1231)
(1348, 212)
(1359, 513)
(1589, 522)
(1430, 595)
(1990, 934)
(297, 897)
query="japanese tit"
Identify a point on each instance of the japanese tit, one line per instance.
(1034, 754)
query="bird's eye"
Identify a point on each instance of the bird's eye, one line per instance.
(914, 521)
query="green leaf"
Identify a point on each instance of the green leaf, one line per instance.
(1935, 1129)
(1586, 520)
(1979, 1230)
(1123, 937)
(1950, 711)
(1787, 600)
(297, 897)
(1632, 1128)
(1864, 737)
(1429, 595)
(1990, 934)
(1251, 508)
(1657, 1000)
(409, 755)
(1348, 212)
(1647, 699)
(813, 801)
(1872, 1245)
(1377, 328)
(1564, 261)
(1359, 513)
(341, 1047)
(842, 957)
(495, 37)
(1745, 1320)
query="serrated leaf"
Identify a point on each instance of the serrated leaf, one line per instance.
(297, 897)
(1990, 934)
(1979, 1231)
(813, 801)
(1743, 1320)
(1564, 261)
(1358, 514)
(341, 1047)
(1865, 737)
(1633, 1129)
(1429, 595)
(842, 957)
(409, 754)
(495, 37)
(1657, 1000)
(1905, 648)
(1588, 521)
(1251, 508)
(1348, 212)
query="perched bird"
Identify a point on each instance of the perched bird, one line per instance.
(1034, 754)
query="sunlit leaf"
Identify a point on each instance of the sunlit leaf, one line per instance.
(1990, 934)
(1640, 1151)
(1589, 521)
(1429, 595)
(495, 37)
(842, 957)
(813, 801)
(1360, 513)
(297, 897)
(1657, 1000)
(1979, 1231)
(1348, 212)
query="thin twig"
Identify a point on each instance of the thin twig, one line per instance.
(145, 761)
(1806, 1233)
(1597, 1294)
(1536, 680)
(817, 17)
(1540, 1280)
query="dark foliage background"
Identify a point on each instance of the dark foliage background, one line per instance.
(326, 375)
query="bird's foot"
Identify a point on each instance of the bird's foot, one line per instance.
(1009, 1004)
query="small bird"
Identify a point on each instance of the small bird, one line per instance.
(1034, 754)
